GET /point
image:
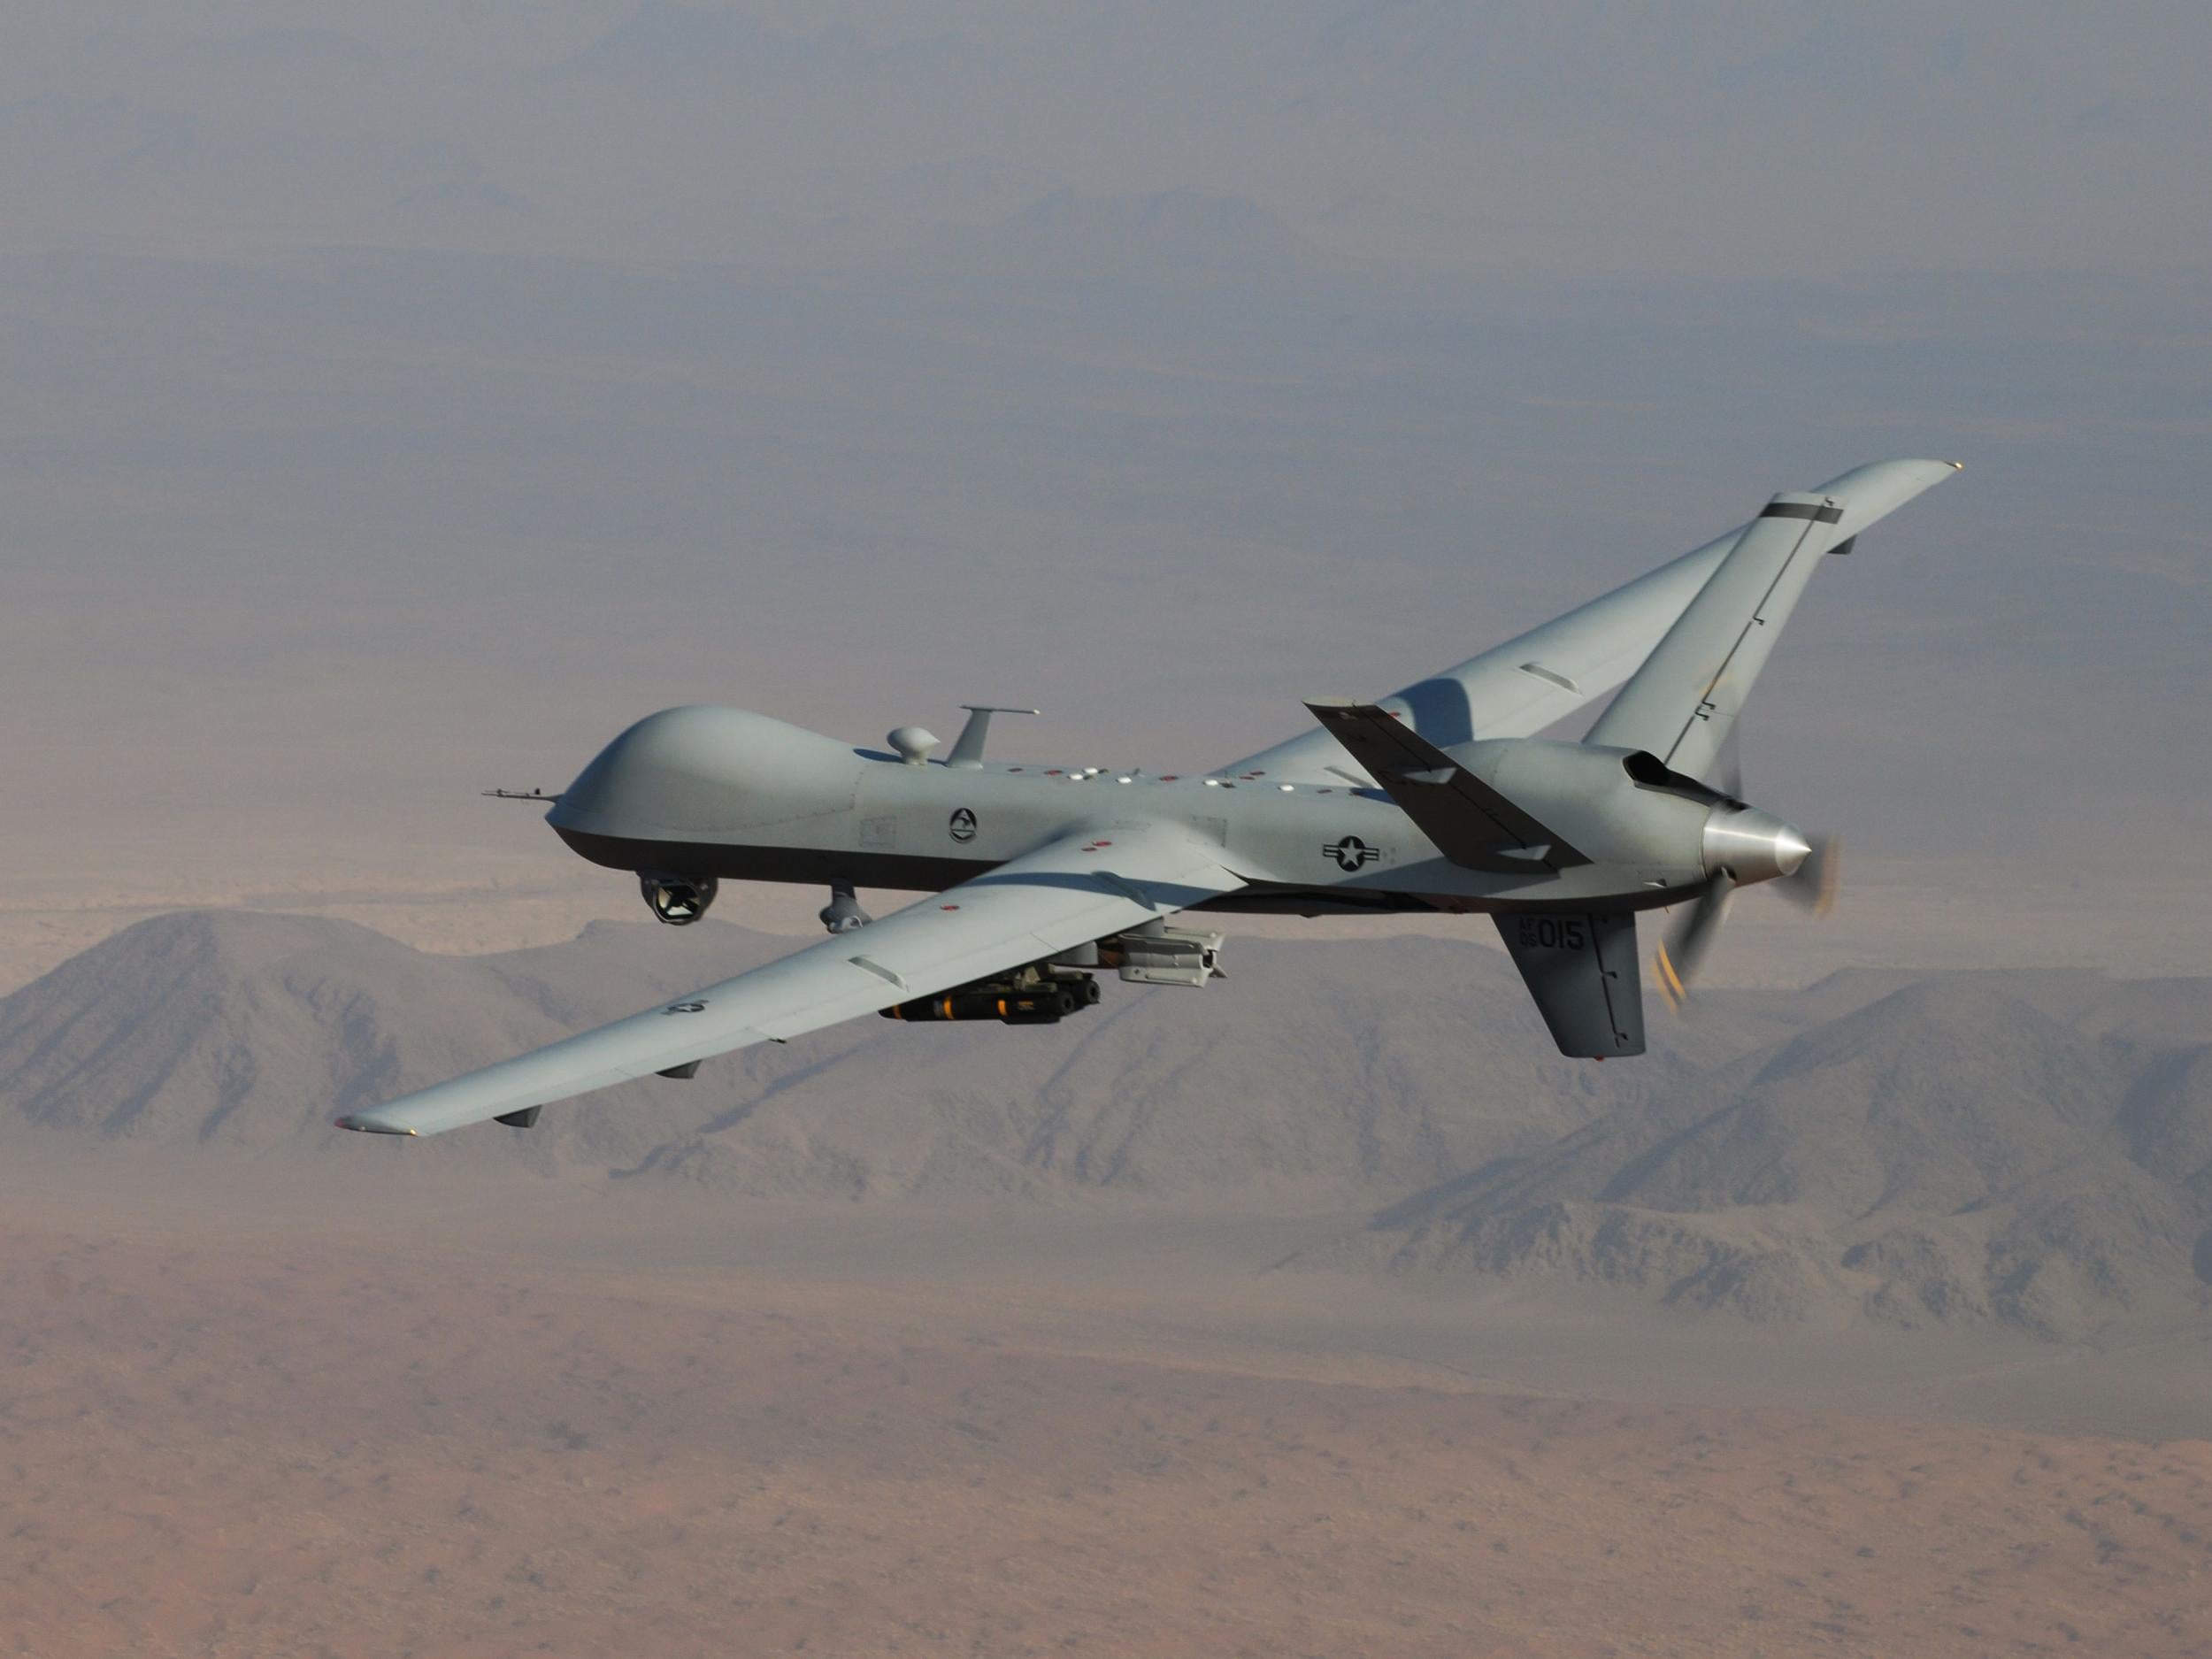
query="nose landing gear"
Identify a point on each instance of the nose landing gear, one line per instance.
(843, 914)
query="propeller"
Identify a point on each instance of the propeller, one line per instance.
(1682, 952)
(1811, 887)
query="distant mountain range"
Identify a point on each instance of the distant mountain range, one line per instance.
(1953, 1151)
(2033, 1148)
(1359, 1070)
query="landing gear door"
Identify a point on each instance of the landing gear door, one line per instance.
(1581, 967)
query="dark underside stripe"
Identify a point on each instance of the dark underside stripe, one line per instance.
(913, 873)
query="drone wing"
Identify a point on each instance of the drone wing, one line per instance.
(1064, 894)
(1518, 688)
(1683, 703)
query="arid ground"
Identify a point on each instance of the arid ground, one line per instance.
(248, 1416)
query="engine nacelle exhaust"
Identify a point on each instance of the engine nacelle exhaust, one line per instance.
(678, 900)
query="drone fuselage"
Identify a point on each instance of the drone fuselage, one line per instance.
(701, 792)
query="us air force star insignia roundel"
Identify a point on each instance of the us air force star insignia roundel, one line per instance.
(1351, 853)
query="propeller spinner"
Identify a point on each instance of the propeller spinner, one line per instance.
(1743, 846)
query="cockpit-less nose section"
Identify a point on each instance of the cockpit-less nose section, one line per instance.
(1041, 878)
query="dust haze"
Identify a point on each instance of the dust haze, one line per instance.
(398, 401)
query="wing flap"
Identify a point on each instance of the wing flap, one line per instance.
(1073, 891)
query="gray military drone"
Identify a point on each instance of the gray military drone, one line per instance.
(1439, 798)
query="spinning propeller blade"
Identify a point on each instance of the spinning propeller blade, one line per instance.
(1682, 952)
(1812, 887)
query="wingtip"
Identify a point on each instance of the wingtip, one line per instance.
(361, 1124)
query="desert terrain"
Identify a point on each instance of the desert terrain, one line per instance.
(1346, 1334)
(411, 1435)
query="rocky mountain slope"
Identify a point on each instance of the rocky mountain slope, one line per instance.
(1345, 1070)
(1956, 1150)
(2028, 1148)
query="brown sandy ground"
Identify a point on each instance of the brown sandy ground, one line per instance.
(242, 1448)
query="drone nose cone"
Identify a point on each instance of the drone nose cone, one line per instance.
(683, 771)
(1753, 846)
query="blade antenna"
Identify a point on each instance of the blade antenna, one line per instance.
(967, 749)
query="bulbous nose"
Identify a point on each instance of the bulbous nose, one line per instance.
(1752, 845)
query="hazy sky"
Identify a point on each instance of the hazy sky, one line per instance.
(399, 399)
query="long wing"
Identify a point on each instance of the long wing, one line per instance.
(1064, 894)
(1682, 703)
(1518, 688)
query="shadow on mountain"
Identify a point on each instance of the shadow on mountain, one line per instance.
(2031, 1150)
(1953, 1151)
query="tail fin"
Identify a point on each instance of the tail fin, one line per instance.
(1682, 703)
(1581, 969)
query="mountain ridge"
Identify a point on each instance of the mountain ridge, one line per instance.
(2032, 1150)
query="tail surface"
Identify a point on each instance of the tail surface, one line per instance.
(1683, 703)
